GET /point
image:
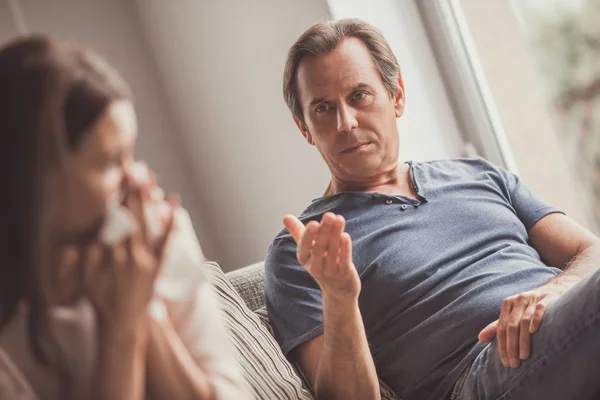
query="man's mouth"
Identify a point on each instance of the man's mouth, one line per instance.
(356, 147)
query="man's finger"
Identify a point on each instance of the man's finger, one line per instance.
(488, 333)
(294, 226)
(525, 335)
(318, 251)
(305, 246)
(513, 332)
(501, 333)
(538, 314)
(345, 250)
(334, 241)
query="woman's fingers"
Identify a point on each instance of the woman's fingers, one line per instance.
(135, 203)
(162, 242)
(92, 258)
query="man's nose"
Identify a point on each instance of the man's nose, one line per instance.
(346, 121)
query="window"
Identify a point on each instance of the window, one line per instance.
(531, 68)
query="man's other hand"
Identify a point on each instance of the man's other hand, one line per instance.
(520, 317)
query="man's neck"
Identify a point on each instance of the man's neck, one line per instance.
(396, 181)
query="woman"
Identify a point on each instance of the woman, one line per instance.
(73, 312)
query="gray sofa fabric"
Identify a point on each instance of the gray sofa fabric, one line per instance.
(249, 282)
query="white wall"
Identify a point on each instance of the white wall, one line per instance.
(111, 27)
(7, 26)
(222, 66)
(428, 129)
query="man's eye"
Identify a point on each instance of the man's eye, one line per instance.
(321, 108)
(359, 95)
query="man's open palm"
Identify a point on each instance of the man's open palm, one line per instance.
(325, 250)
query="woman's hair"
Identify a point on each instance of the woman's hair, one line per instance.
(51, 93)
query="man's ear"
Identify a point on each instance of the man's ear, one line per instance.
(399, 98)
(304, 129)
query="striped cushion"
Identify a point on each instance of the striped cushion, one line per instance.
(386, 392)
(266, 369)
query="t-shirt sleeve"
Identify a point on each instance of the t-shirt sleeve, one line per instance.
(528, 207)
(292, 297)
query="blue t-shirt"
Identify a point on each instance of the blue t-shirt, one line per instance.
(434, 271)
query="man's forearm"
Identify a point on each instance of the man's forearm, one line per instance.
(581, 266)
(346, 369)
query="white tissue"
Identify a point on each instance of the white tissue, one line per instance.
(181, 272)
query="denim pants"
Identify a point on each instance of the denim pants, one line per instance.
(565, 355)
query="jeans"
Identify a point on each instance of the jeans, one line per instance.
(565, 355)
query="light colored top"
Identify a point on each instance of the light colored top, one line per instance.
(197, 320)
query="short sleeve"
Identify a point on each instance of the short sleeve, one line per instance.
(292, 296)
(528, 207)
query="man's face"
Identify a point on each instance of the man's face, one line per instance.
(349, 115)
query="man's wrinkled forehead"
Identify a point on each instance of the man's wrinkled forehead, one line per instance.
(342, 69)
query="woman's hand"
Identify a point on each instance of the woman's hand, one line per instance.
(119, 282)
(119, 279)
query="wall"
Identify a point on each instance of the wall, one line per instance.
(222, 65)
(7, 26)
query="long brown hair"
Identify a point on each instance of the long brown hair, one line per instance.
(51, 93)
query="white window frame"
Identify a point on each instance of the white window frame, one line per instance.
(468, 90)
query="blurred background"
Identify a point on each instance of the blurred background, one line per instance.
(517, 82)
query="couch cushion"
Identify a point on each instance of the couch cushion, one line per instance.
(266, 369)
(249, 283)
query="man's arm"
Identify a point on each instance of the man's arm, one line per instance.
(338, 363)
(560, 242)
(563, 243)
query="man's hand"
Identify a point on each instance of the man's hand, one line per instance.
(338, 363)
(325, 250)
(520, 317)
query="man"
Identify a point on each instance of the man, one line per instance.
(448, 279)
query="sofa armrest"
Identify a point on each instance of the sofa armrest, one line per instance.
(249, 282)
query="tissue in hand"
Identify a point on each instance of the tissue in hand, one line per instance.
(181, 271)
